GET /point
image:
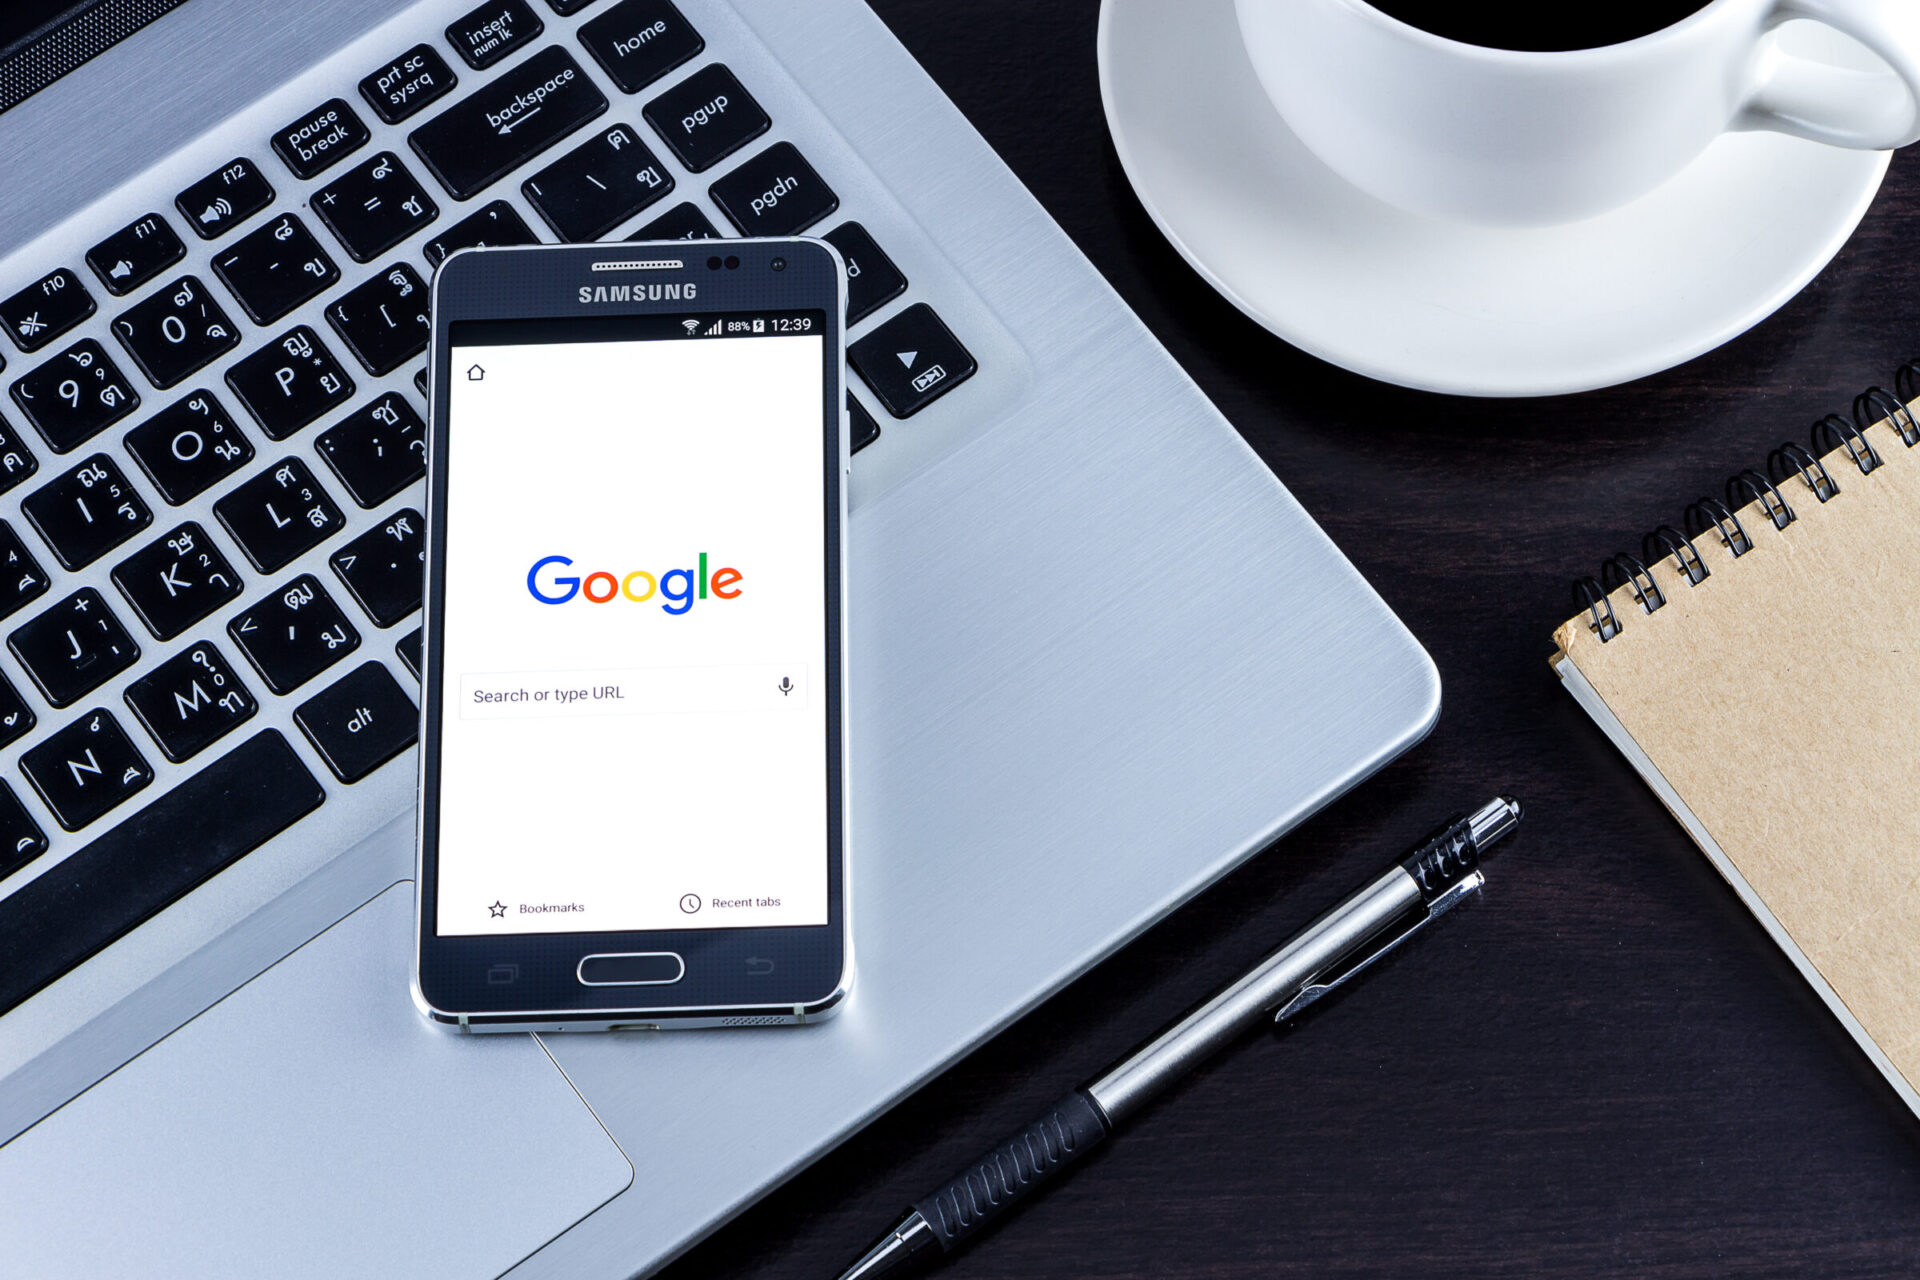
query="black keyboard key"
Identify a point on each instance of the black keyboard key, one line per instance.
(378, 450)
(385, 321)
(409, 650)
(326, 134)
(776, 193)
(135, 870)
(135, 254)
(177, 581)
(638, 41)
(374, 206)
(598, 185)
(507, 122)
(16, 460)
(911, 360)
(862, 430)
(420, 382)
(188, 447)
(494, 31)
(872, 279)
(86, 769)
(290, 382)
(279, 515)
(75, 395)
(176, 332)
(21, 839)
(275, 269)
(385, 568)
(565, 7)
(294, 634)
(707, 117)
(191, 701)
(74, 647)
(224, 198)
(22, 580)
(45, 309)
(87, 512)
(359, 723)
(411, 81)
(496, 224)
(682, 222)
(16, 718)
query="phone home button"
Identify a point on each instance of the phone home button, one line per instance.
(632, 969)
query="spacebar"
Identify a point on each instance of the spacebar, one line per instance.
(131, 873)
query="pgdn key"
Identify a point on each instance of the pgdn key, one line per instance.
(776, 193)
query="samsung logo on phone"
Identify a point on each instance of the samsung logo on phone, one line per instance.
(636, 292)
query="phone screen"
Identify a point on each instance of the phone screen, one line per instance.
(633, 674)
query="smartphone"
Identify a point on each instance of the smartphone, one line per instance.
(633, 732)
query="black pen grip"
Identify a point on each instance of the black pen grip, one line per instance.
(1015, 1168)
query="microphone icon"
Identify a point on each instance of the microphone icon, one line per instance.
(786, 686)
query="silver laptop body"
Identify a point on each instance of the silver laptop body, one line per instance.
(1099, 655)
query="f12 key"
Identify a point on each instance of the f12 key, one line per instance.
(224, 198)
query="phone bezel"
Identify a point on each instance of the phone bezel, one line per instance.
(725, 977)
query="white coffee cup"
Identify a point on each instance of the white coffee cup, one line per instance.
(1504, 136)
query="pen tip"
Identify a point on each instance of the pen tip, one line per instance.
(893, 1250)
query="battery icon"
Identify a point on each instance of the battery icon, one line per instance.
(759, 326)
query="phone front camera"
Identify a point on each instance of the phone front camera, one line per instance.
(778, 264)
(713, 263)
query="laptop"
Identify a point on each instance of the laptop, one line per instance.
(1099, 655)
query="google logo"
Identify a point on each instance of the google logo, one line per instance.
(678, 588)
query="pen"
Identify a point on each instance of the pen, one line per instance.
(1441, 871)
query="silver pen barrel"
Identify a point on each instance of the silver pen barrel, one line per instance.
(1170, 1056)
(1409, 889)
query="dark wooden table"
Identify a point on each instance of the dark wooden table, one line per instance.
(1605, 1068)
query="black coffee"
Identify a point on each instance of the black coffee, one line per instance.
(1540, 25)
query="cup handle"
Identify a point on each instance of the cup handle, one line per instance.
(1866, 110)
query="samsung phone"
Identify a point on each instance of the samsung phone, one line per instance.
(633, 744)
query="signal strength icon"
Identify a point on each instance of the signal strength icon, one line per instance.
(691, 326)
(713, 330)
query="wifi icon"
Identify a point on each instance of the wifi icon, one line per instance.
(691, 326)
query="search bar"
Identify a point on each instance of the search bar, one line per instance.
(629, 691)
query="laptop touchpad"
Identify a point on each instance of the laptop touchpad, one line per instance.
(312, 1124)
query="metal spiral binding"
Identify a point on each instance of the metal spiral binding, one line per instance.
(1831, 434)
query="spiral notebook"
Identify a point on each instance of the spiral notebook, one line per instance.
(1759, 665)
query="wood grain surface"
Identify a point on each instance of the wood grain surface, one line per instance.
(1603, 1069)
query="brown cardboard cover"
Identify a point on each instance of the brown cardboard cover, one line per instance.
(1780, 698)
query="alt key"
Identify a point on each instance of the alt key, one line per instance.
(360, 723)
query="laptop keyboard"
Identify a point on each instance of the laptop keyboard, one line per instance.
(301, 451)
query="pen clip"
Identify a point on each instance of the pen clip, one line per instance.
(1349, 967)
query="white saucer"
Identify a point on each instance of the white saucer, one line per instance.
(1442, 306)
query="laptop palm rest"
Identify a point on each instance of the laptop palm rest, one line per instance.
(300, 1127)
